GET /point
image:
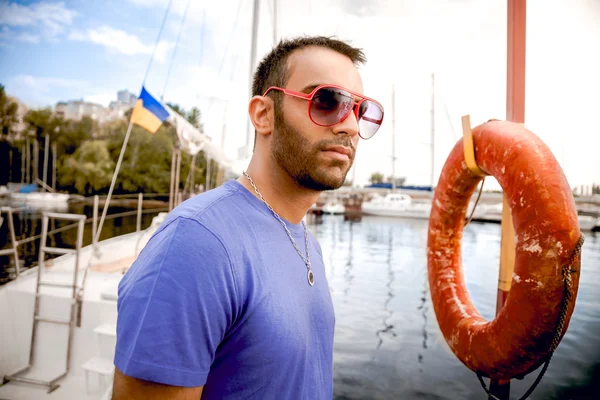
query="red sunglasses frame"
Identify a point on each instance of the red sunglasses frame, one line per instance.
(355, 109)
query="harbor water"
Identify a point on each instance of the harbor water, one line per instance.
(387, 341)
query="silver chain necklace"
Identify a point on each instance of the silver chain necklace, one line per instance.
(310, 275)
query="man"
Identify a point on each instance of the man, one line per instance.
(229, 299)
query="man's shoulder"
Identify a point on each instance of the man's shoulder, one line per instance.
(197, 206)
(215, 211)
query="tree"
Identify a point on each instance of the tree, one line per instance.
(8, 112)
(41, 121)
(376, 177)
(193, 118)
(177, 108)
(147, 160)
(89, 169)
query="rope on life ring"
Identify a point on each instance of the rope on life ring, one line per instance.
(536, 315)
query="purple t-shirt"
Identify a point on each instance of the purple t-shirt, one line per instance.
(219, 297)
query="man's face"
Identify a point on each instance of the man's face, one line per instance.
(302, 148)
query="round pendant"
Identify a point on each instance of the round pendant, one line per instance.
(311, 278)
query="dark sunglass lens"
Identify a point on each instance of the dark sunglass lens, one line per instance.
(370, 117)
(330, 105)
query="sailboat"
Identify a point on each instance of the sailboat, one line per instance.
(28, 195)
(396, 204)
(58, 318)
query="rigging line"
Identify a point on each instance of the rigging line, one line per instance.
(176, 47)
(123, 148)
(202, 36)
(157, 40)
(227, 48)
(235, 26)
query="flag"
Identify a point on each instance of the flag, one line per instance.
(191, 140)
(148, 112)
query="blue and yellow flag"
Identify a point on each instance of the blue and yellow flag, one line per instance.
(148, 112)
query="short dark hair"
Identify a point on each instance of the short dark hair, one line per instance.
(273, 71)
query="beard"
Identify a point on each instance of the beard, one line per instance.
(302, 160)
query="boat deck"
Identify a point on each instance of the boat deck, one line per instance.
(91, 366)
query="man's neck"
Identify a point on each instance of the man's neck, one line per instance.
(290, 200)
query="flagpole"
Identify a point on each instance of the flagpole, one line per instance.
(114, 178)
(114, 181)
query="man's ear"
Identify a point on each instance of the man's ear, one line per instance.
(260, 110)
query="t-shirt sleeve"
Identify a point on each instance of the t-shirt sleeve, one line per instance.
(175, 305)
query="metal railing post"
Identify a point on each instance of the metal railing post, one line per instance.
(95, 223)
(138, 226)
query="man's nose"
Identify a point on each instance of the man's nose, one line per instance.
(348, 126)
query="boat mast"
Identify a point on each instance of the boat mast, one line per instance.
(393, 138)
(432, 130)
(253, 42)
(274, 22)
(46, 150)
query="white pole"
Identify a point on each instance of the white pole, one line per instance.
(177, 178)
(23, 163)
(46, 151)
(274, 22)
(432, 130)
(36, 160)
(95, 222)
(393, 138)
(114, 181)
(255, 14)
(54, 157)
(138, 225)
(208, 173)
(193, 174)
(172, 183)
(28, 162)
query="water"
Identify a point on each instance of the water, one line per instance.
(387, 341)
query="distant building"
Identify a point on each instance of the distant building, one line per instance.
(126, 97)
(19, 127)
(77, 109)
(117, 110)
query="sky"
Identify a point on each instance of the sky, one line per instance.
(62, 50)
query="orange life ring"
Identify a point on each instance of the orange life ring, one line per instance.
(543, 210)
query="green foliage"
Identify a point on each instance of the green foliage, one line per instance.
(193, 118)
(89, 170)
(8, 112)
(376, 177)
(146, 163)
(88, 152)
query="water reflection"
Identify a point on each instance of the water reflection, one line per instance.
(387, 326)
(383, 293)
(423, 308)
(348, 277)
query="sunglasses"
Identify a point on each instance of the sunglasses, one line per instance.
(329, 105)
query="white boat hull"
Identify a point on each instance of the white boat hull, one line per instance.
(93, 343)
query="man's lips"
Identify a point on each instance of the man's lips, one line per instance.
(340, 152)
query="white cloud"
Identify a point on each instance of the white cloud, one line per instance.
(122, 42)
(43, 91)
(36, 91)
(150, 3)
(29, 38)
(47, 20)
